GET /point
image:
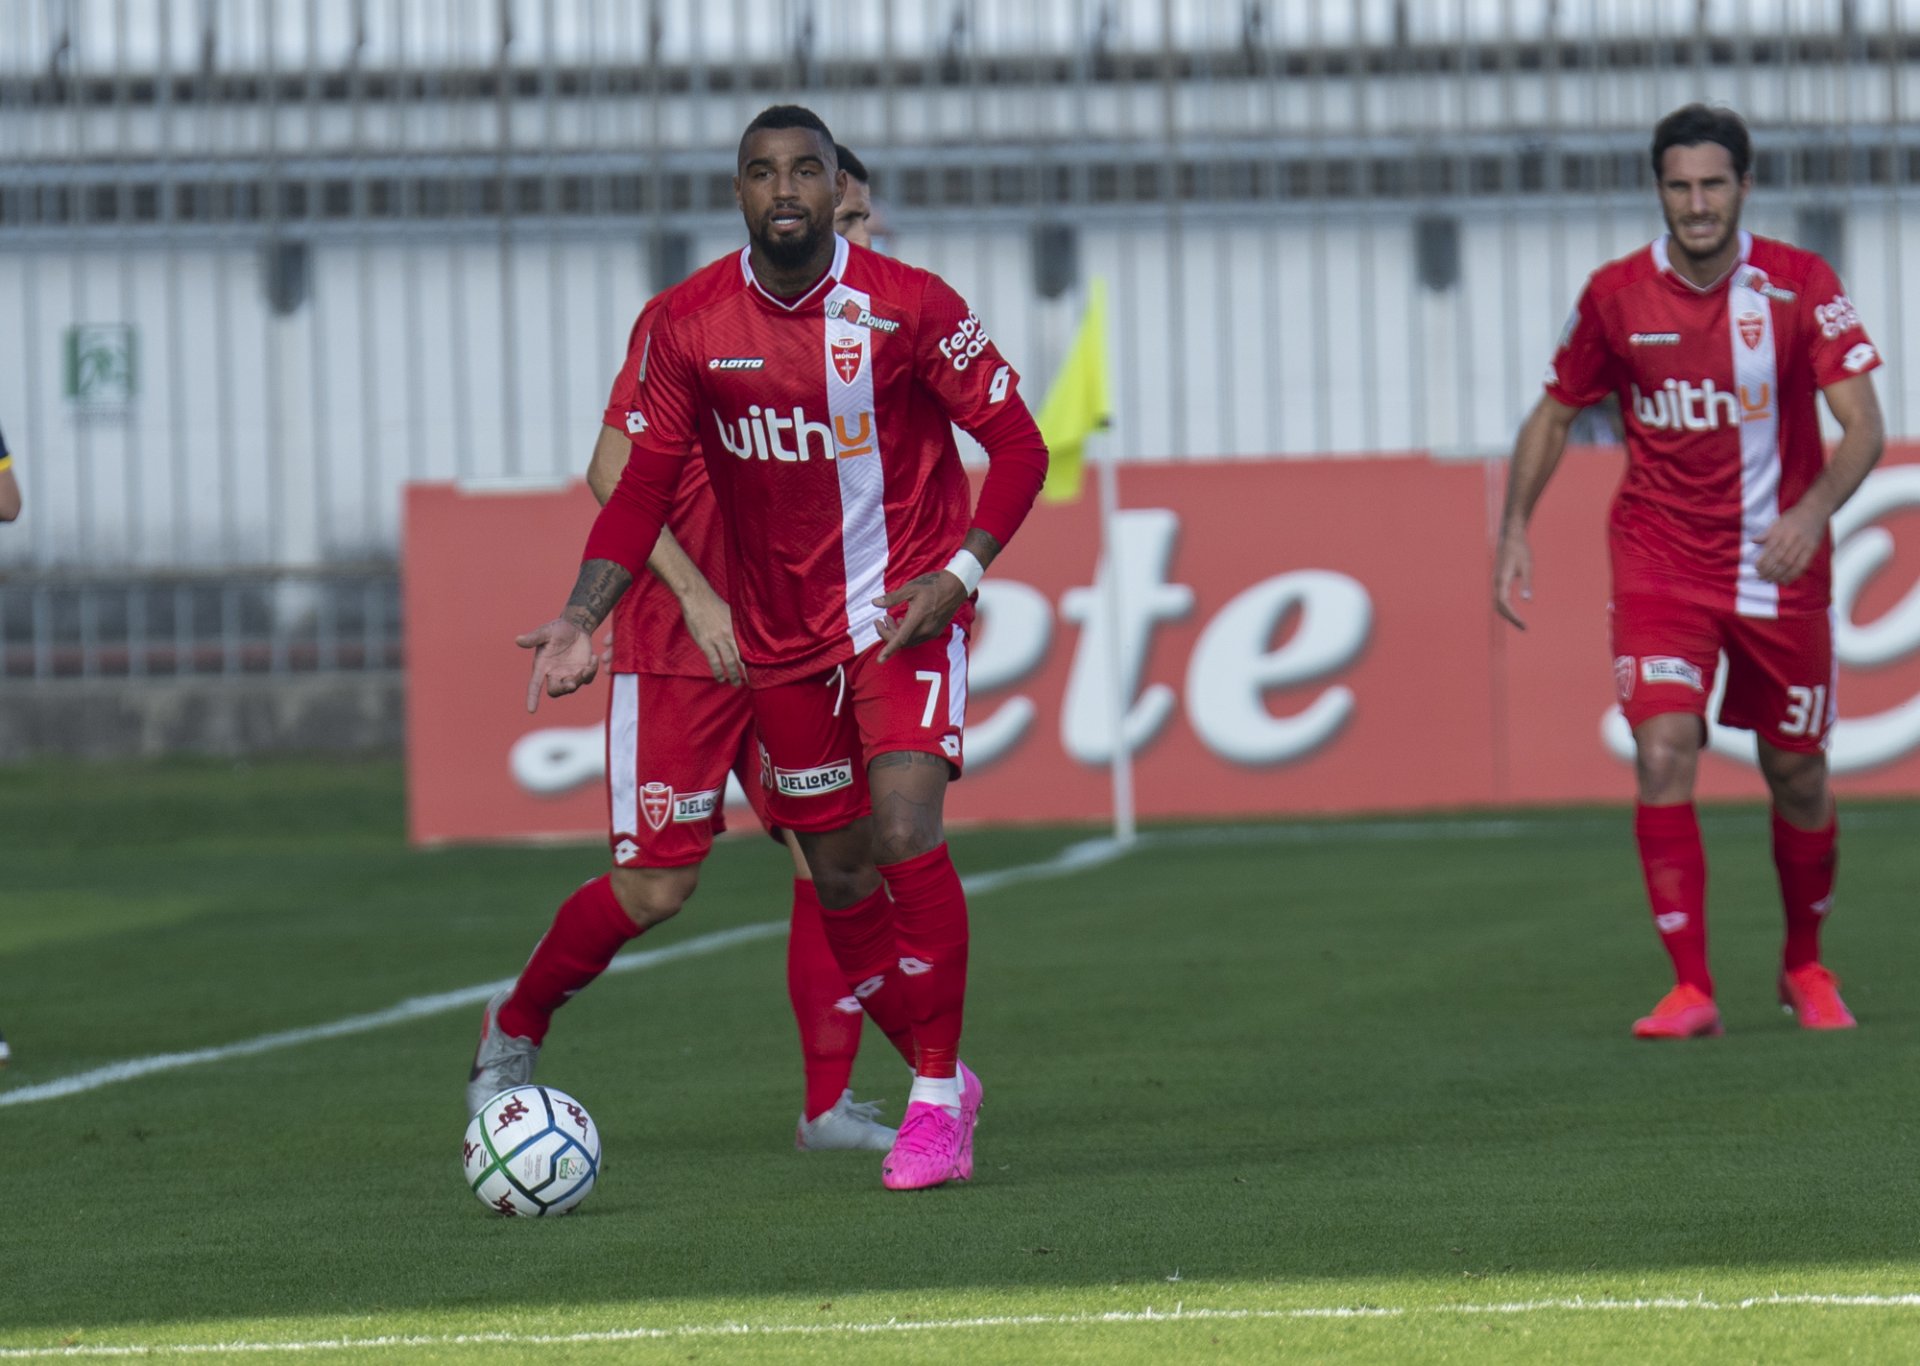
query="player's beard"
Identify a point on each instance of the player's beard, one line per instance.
(1729, 228)
(789, 253)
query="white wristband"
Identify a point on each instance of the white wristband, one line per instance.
(966, 567)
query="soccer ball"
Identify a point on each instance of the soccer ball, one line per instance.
(531, 1150)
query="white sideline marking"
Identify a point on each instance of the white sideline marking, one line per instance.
(1074, 858)
(1179, 1313)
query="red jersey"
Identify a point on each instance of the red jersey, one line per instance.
(649, 633)
(1718, 391)
(825, 423)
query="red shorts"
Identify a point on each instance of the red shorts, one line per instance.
(1780, 671)
(819, 734)
(670, 744)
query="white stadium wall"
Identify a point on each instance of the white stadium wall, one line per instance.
(1250, 178)
(258, 439)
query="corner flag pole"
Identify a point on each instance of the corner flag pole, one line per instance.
(1077, 407)
(1122, 765)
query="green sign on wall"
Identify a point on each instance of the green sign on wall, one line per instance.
(100, 370)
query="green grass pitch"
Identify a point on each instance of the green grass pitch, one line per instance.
(1328, 1092)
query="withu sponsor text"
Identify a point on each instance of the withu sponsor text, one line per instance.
(759, 435)
(1679, 405)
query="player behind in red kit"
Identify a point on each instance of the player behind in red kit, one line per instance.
(820, 383)
(678, 722)
(1716, 343)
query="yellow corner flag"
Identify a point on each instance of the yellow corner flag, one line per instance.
(1076, 405)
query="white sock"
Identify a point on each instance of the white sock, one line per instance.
(941, 1091)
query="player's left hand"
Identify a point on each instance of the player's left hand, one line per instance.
(931, 600)
(563, 659)
(1789, 545)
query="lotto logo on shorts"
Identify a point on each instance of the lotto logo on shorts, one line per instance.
(812, 782)
(1666, 669)
(1623, 676)
(695, 806)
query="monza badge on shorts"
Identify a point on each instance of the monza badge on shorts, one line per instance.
(656, 804)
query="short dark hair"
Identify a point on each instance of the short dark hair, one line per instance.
(850, 163)
(784, 116)
(1698, 123)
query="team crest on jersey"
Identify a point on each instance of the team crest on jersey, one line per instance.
(848, 356)
(656, 804)
(1752, 328)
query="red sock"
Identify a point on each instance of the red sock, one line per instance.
(828, 1015)
(931, 926)
(861, 937)
(1805, 860)
(587, 931)
(1675, 864)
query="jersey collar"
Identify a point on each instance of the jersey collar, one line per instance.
(1664, 264)
(821, 287)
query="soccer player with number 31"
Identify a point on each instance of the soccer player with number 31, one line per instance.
(1716, 343)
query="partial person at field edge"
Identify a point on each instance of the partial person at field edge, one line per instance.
(9, 509)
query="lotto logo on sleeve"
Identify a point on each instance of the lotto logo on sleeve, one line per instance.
(1667, 669)
(1860, 357)
(813, 782)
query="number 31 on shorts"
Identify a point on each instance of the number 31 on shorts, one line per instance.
(1806, 711)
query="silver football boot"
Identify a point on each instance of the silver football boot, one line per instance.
(850, 1124)
(502, 1060)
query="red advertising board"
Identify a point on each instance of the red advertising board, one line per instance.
(1293, 637)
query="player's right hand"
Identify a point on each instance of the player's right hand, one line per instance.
(564, 660)
(1513, 563)
(710, 623)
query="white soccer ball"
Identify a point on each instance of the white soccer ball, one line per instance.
(531, 1150)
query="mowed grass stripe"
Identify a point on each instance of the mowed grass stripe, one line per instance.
(1076, 858)
(1080, 857)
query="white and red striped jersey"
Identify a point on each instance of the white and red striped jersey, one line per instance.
(1718, 391)
(826, 424)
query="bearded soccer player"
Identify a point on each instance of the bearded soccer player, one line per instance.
(1717, 343)
(678, 722)
(820, 383)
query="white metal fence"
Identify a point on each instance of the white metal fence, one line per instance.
(262, 261)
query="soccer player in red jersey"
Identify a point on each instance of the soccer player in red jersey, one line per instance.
(678, 723)
(820, 382)
(1716, 343)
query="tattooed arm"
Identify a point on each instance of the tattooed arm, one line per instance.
(563, 656)
(617, 549)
